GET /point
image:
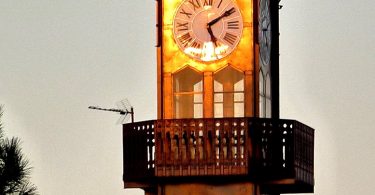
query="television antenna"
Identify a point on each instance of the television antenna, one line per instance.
(123, 107)
(280, 6)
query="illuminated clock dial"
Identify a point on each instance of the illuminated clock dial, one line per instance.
(264, 32)
(207, 30)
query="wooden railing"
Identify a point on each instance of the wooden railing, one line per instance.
(258, 149)
(201, 147)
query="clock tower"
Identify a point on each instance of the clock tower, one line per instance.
(218, 129)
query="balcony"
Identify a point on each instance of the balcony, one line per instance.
(277, 154)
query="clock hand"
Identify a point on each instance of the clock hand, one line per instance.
(213, 38)
(225, 14)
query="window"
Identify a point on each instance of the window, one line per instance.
(268, 96)
(229, 93)
(262, 96)
(188, 94)
(265, 102)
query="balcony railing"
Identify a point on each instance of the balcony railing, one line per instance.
(276, 153)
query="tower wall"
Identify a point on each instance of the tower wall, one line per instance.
(246, 188)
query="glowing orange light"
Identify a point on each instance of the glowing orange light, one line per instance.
(175, 59)
(208, 52)
(207, 7)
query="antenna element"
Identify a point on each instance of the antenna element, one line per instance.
(124, 108)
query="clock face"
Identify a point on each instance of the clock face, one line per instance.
(207, 30)
(264, 32)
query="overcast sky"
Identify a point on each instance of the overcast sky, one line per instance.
(59, 57)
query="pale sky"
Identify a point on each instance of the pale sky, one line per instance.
(59, 57)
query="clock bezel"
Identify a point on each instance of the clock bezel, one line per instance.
(238, 33)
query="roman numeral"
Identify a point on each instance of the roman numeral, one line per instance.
(186, 13)
(182, 26)
(233, 24)
(208, 2)
(196, 45)
(230, 38)
(185, 39)
(196, 4)
(218, 6)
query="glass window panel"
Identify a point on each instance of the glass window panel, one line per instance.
(229, 75)
(268, 96)
(261, 107)
(268, 108)
(198, 110)
(261, 84)
(188, 88)
(268, 86)
(218, 110)
(239, 86)
(218, 97)
(229, 81)
(262, 94)
(177, 107)
(218, 87)
(198, 87)
(198, 98)
(176, 85)
(184, 106)
(187, 80)
(238, 97)
(238, 109)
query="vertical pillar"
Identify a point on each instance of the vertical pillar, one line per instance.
(168, 96)
(208, 96)
(228, 99)
(274, 9)
(249, 93)
(159, 58)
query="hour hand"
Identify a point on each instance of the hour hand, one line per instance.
(213, 38)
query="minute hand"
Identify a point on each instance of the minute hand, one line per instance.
(225, 14)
